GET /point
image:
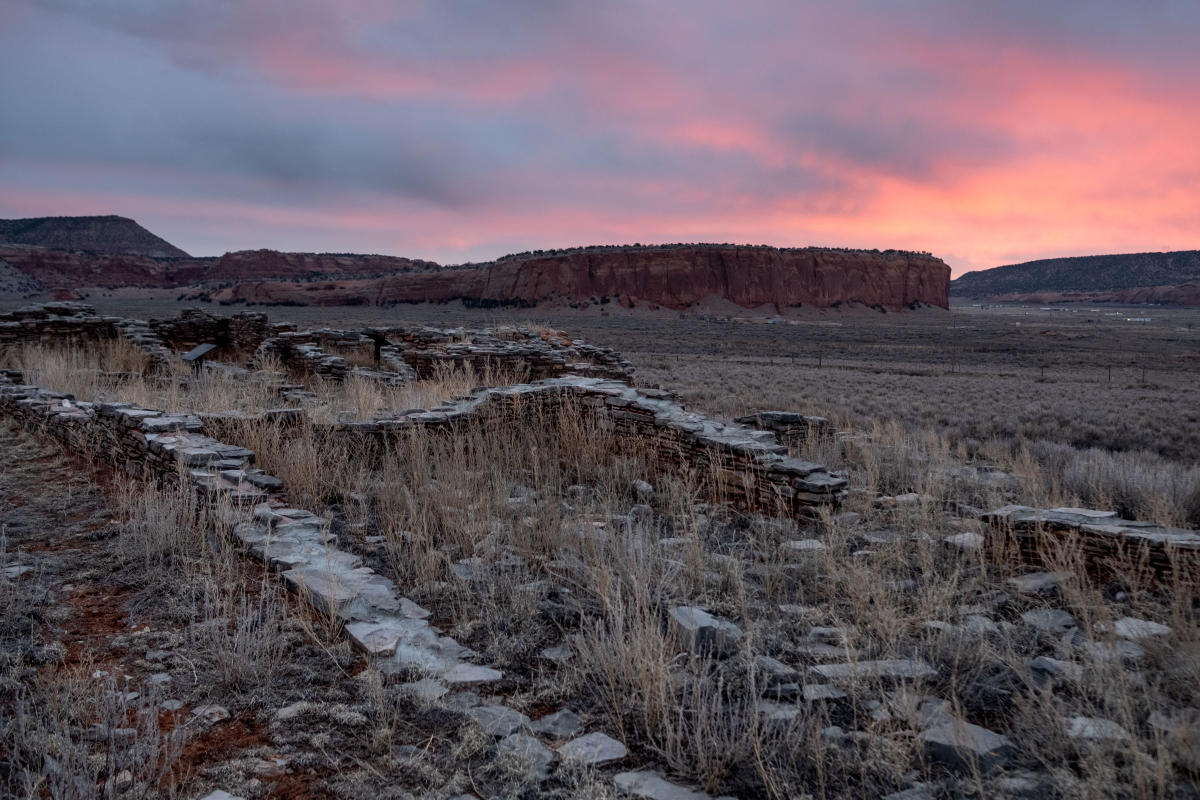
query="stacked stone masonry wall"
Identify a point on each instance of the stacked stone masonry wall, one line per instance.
(1104, 542)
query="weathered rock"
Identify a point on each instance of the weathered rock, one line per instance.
(777, 712)
(701, 632)
(1096, 729)
(471, 673)
(888, 669)
(559, 725)
(1139, 629)
(498, 720)
(537, 755)
(1038, 582)
(804, 545)
(211, 712)
(1049, 620)
(963, 747)
(593, 748)
(653, 786)
(221, 794)
(966, 542)
(1181, 728)
(674, 276)
(427, 689)
(1048, 667)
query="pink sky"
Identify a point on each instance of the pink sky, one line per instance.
(463, 130)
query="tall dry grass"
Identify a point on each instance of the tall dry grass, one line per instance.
(529, 531)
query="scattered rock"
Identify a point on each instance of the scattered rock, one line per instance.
(1119, 650)
(498, 720)
(1181, 728)
(980, 625)
(1138, 629)
(1096, 729)
(815, 692)
(530, 749)
(1025, 785)
(211, 712)
(960, 746)
(701, 632)
(775, 670)
(653, 786)
(293, 710)
(777, 712)
(559, 725)
(427, 689)
(471, 673)
(918, 791)
(1049, 620)
(559, 653)
(1038, 582)
(1047, 667)
(804, 545)
(895, 669)
(103, 733)
(966, 542)
(593, 748)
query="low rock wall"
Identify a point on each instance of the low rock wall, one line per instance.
(734, 464)
(239, 334)
(1105, 542)
(77, 323)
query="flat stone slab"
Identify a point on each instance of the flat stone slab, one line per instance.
(498, 720)
(1049, 620)
(471, 673)
(961, 746)
(1139, 629)
(427, 689)
(559, 725)
(1096, 729)
(539, 757)
(653, 786)
(1038, 582)
(1055, 668)
(701, 632)
(967, 542)
(593, 748)
(894, 669)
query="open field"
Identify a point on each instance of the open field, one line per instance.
(862, 650)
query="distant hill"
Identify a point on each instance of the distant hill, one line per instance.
(65, 254)
(1082, 274)
(110, 234)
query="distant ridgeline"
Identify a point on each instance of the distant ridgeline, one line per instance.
(1127, 277)
(69, 253)
(110, 234)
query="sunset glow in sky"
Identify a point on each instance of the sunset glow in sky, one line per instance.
(986, 133)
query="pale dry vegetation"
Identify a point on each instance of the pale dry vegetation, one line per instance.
(557, 550)
(529, 534)
(112, 370)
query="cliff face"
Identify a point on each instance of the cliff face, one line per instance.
(669, 276)
(67, 269)
(673, 277)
